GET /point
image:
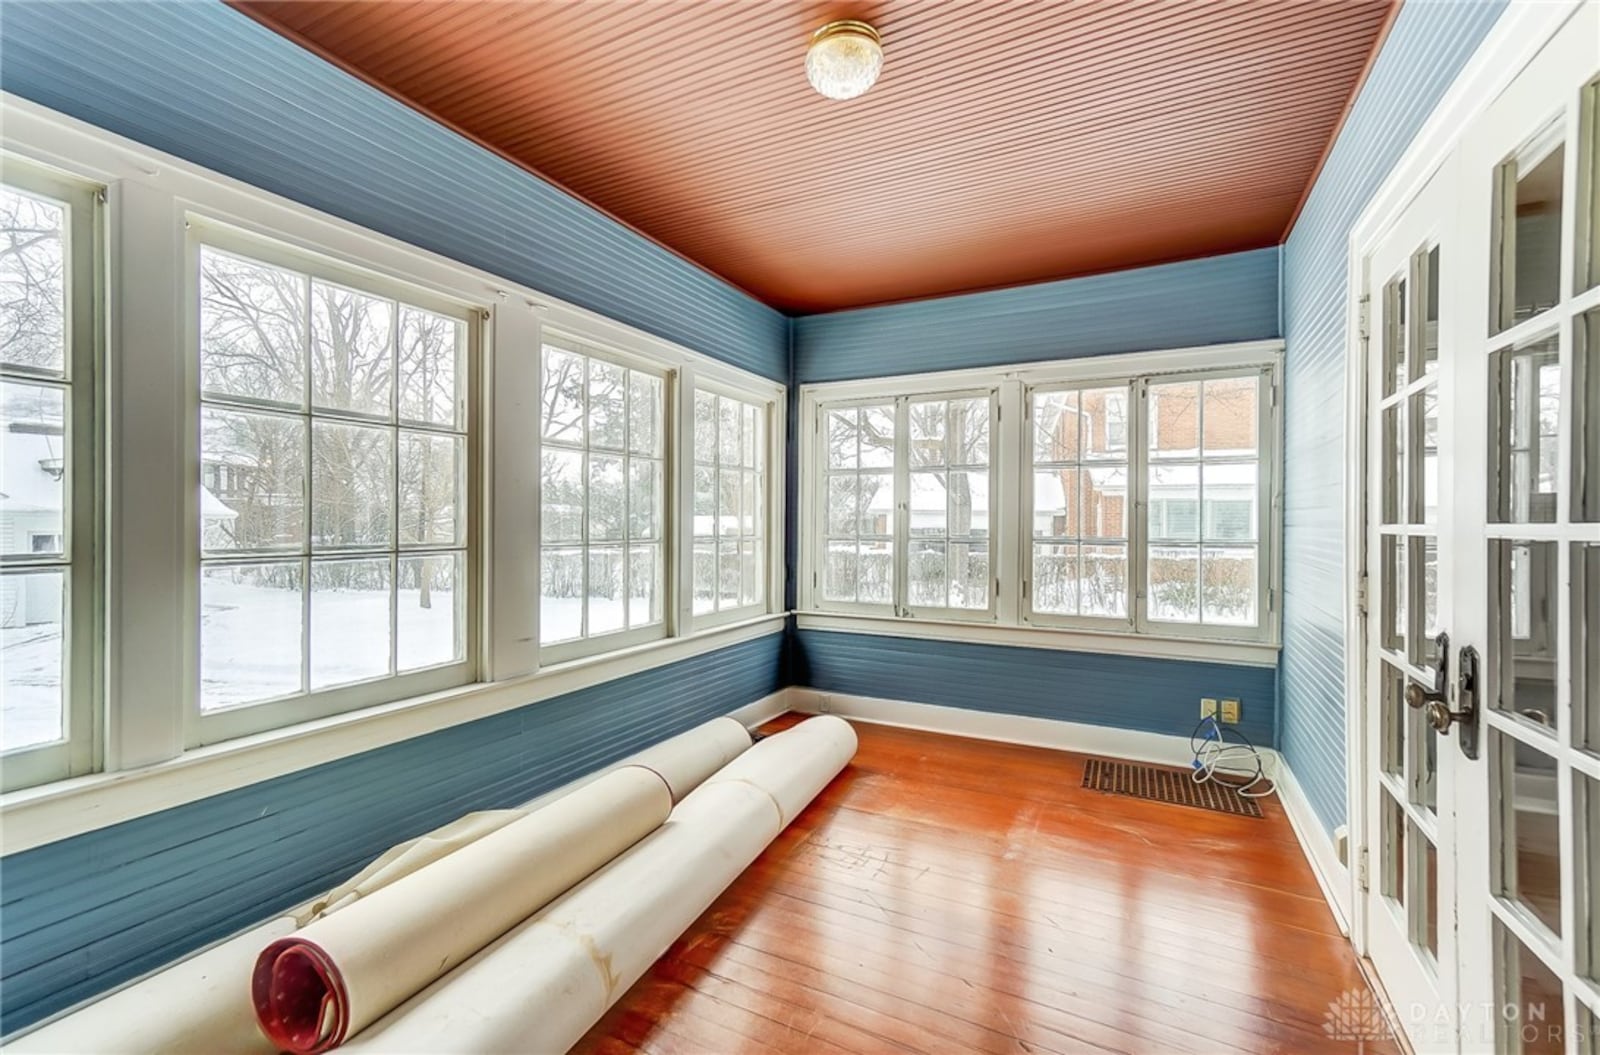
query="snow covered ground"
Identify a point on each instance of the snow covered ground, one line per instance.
(30, 666)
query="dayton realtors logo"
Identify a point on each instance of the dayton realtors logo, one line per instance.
(1359, 1016)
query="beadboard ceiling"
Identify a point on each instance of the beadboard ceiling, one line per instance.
(1005, 143)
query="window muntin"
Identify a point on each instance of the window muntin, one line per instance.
(1080, 488)
(48, 487)
(730, 496)
(333, 486)
(602, 500)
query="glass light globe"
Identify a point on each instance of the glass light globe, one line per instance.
(844, 59)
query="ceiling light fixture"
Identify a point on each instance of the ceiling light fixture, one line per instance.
(844, 59)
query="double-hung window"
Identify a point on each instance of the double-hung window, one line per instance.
(50, 323)
(332, 487)
(905, 506)
(730, 506)
(601, 500)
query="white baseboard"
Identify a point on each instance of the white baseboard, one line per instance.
(764, 709)
(1159, 748)
(1317, 844)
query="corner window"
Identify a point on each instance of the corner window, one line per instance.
(601, 501)
(730, 506)
(49, 345)
(332, 503)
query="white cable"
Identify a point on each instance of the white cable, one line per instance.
(1215, 758)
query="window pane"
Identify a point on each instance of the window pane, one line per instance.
(705, 429)
(728, 573)
(1174, 425)
(1175, 502)
(607, 590)
(608, 498)
(432, 354)
(705, 577)
(644, 491)
(33, 282)
(1228, 585)
(730, 428)
(928, 501)
(839, 572)
(608, 405)
(1055, 579)
(1586, 408)
(1055, 426)
(251, 619)
(728, 503)
(32, 607)
(252, 329)
(749, 504)
(432, 478)
(563, 490)
(1525, 793)
(927, 443)
(644, 414)
(561, 399)
(843, 432)
(1424, 469)
(1396, 335)
(968, 563)
(841, 511)
(1231, 415)
(1103, 587)
(252, 481)
(705, 502)
(877, 437)
(430, 612)
(755, 439)
(644, 585)
(560, 595)
(969, 432)
(876, 504)
(1175, 583)
(927, 574)
(352, 350)
(877, 572)
(753, 575)
(1523, 623)
(1105, 423)
(1531, 222)
(349, 621)
(1230, 501)
(33, 468)
(352, 485)
(1105, 497)
(1055, 503)
(969, 504)
(1527, 431)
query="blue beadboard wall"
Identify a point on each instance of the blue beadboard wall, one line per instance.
(1210, 301)
(83, 914)
(1427, 45)
(204, 82)
(1127, 692)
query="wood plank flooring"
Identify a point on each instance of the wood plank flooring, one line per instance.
(952, 895)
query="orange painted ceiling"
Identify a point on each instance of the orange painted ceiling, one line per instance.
(1007, 141)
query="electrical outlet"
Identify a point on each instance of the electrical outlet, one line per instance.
(1208, 707)
(1230, 712)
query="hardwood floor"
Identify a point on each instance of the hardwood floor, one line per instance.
(952, 895)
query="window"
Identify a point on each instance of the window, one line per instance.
(931, 552)
(730, 494)
(333, 487)
(48, 493)
(1140, 492)
(602, 521)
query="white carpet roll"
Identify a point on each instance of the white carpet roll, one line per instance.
(686, 760)
(541, 986)
(326, 982)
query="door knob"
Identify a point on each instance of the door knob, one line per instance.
(1435, 702)
(1419, 695)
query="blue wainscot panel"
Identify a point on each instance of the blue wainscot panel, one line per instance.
(208, 84)
(86, 913)
(1126, 692)
(1216, 300)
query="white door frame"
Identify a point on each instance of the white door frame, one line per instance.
(1522, 29)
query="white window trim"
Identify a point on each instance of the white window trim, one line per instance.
(772, 452)
(150, 196)
(1010, 487)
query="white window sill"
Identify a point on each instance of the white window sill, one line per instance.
(1241, 653)
(34, 816)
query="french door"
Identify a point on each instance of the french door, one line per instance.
(1482, 801)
